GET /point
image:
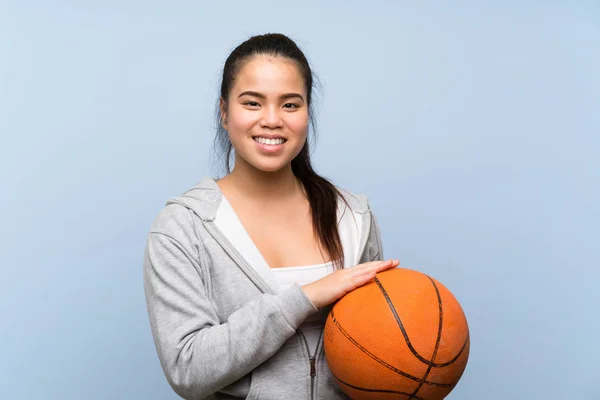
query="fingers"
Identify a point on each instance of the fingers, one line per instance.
(373, 264)
(379, 266)
(370, 270)
(329, 289)
(387, 265)
(362, 279)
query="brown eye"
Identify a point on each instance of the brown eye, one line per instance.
(251, 103)
(290, 105)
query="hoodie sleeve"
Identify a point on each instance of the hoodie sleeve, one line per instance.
(199, 354)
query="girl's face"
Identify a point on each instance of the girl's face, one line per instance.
(267, 115)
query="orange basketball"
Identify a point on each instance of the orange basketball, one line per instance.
(401, 336)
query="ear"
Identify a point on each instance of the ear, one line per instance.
(223, 112)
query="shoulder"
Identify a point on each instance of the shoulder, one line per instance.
(174, 225)
(171, 218)
(181, 215)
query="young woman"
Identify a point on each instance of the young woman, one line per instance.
(240, 272)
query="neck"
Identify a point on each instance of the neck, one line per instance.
(267, 187)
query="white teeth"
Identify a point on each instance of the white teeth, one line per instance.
(271, 142)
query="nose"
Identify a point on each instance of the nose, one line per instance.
(271, 118)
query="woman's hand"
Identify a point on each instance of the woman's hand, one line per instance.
(335, 285)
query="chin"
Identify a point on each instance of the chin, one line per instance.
(267, 164)
(270, 167)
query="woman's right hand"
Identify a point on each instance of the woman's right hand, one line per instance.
(335, 285)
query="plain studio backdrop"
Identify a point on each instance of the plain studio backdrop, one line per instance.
(473, 128)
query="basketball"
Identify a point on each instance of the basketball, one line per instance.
(401, 336)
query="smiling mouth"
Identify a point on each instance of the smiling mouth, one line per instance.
(269, 142)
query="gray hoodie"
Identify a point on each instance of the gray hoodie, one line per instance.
(222, 329)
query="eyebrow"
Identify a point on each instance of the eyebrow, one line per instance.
(262, 96)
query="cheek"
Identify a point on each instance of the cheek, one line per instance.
(240, 119)
(298, 123)
(240, 122)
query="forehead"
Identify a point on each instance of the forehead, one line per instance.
(269, 74)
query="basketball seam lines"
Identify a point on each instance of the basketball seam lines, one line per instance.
(380, 361)
(377, 390)
(439, 335)
(406, 338)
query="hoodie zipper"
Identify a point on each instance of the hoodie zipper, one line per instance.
(313, 373)
(312, 358)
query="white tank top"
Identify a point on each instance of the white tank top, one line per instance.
(311, 327)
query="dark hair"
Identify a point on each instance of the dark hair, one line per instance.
(322, 194)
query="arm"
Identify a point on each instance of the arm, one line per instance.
(198, 354)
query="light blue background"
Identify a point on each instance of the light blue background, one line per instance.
(473, 127)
